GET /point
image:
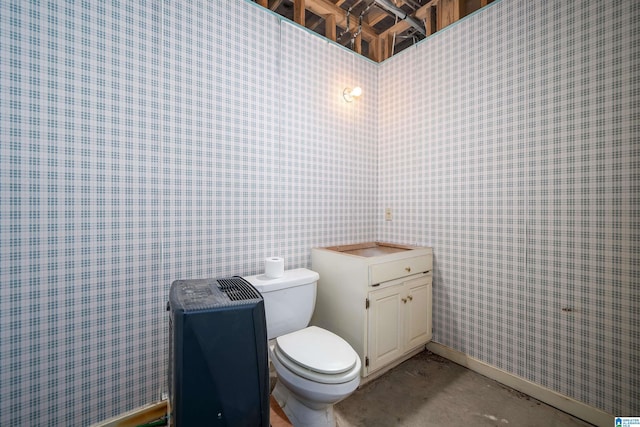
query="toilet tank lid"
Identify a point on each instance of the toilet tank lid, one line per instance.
(290, 279)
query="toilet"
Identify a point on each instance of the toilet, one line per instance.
(316, 368)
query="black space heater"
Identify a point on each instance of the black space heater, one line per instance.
(218, 361)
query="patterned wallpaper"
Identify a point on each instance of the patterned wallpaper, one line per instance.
(144, 142)
(523, 175)
(141, 144)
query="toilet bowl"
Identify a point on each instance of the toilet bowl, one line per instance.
(317, 365)
(315, 368)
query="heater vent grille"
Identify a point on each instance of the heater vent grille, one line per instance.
(237, 289)
(203, 294)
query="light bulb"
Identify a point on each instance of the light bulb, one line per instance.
(350, 94)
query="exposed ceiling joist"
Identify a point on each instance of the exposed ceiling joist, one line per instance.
(374, 16)
(376, 28)
(325, 7)
(390, 7)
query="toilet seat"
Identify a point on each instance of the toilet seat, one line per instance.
(318, 355)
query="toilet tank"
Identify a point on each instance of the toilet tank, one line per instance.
(288, 300)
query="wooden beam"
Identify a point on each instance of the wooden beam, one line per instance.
(276, 4)
(374, 50)
(421, 13)
(382, 49)
(400, 27)
(357, 46)
(430, 21)
(263, 3)
(330, 27)
(314, 22)
(299, 10)
(375, 15)
(325, 7)
(389, 42)
(448, 12)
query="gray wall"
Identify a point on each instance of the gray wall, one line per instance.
(509, 142)
(144, 142)
(141, 144)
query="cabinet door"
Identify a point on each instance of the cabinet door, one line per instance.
(386, 317)
(418, 312)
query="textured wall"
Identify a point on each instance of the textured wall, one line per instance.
(143, 142)
(509, 142)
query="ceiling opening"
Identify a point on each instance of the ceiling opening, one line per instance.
(377, 29)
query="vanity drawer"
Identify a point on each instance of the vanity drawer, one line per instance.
(386, 271)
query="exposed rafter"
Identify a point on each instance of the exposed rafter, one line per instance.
(376, 28)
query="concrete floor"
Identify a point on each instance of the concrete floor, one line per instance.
(428, 390)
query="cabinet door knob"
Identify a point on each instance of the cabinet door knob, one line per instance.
(408, 269)
(404, 300)
(410, 298)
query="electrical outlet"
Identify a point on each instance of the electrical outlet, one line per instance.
(388, 216)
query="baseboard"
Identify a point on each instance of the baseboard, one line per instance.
(138, 416)
(564, 403)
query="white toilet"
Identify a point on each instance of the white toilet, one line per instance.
(316, 368)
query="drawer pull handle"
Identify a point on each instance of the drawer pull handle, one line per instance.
(408, 269)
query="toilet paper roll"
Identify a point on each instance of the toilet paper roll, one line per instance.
(273, 267)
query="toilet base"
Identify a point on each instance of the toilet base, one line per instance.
(300, 414)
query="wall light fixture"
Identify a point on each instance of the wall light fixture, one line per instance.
(351, 94)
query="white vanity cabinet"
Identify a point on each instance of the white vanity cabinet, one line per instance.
(399, 320)
(377, 296)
